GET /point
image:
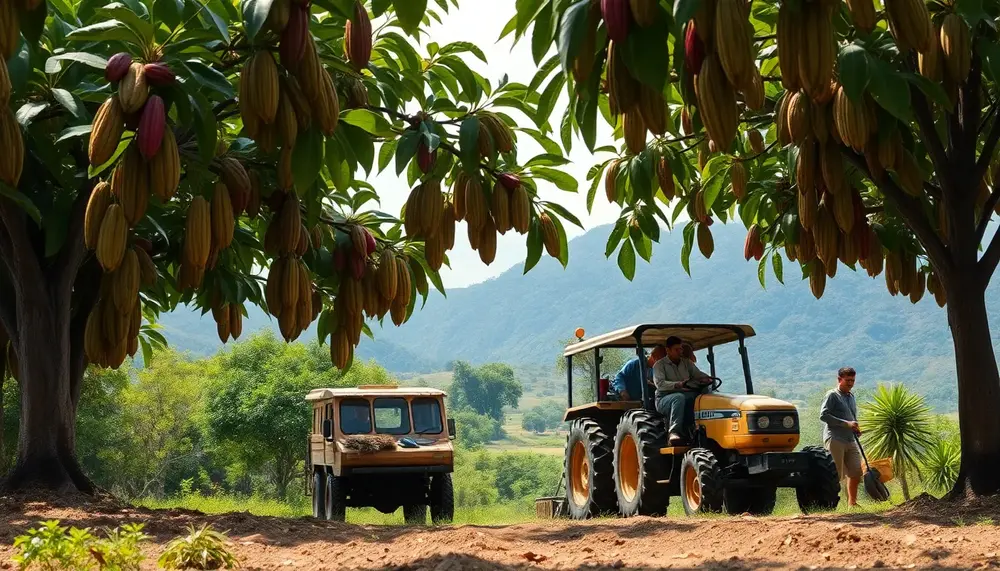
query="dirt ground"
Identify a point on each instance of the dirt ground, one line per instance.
(924, 534)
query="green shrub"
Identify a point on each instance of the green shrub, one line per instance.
(52, 546)
(203, 548)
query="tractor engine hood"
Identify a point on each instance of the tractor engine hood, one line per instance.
(744, 403)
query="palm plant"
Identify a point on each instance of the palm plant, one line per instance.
(941, 463)
(897, 425)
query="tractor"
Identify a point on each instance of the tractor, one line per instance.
(738, 448)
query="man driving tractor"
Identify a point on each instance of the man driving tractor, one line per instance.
(678, 382)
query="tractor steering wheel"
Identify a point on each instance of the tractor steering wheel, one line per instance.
(692, 385)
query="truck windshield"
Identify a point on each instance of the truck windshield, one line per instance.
(355, 416)
(392, 416)
(426, 416)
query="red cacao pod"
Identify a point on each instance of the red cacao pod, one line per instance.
(694, 49)
(144, 244)
(358, 38)
(117, 67)
(339, 260)
(159, 75)
(151, 126)
(425, 157)
(238, 199)
(294, 36)
(618, 17)
(509, 181)
(369, 242)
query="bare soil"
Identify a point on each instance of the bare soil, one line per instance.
(925, 533)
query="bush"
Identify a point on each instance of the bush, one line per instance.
(474, 429)
(52, 546)
(541, 419)
(203, 548)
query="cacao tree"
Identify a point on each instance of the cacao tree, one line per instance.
(858, 135)
(215, 153)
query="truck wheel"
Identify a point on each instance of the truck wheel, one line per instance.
(754, 501)
(589, 468)
(336, 498)
(639, 465)
(701, 482)
(415, 514)
(822, 489)
(319, 495)
(442, 499)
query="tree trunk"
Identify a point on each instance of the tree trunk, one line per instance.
(903, 483)
(46, 447)
(978, 387)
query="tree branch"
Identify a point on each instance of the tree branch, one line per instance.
(988, 263)
(8, 307)
(930, 135)
(71, 255)
(23, 260)
(86, 289)
(972, 108)
(910, 209)
(989, 147)
(984, 218)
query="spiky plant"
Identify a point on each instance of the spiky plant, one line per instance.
(896, 424)
(203, 548)
(940, 465)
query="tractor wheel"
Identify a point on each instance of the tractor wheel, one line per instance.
(754, 501)
(822, 489)
(442, 499)
(639, 465)
(415, 514)
(319, 494)
(589, 469)
(701, 482)
(336, 498)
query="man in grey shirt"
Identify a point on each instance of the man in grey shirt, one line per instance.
(677, 381)
(839, 414)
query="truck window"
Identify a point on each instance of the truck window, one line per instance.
(392, 416)
(426, 416)
(355, 416)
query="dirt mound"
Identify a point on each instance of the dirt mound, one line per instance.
(904, 538)
(949, 510)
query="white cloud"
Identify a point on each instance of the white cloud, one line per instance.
(481, 22)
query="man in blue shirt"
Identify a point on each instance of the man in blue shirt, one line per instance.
(628, 382)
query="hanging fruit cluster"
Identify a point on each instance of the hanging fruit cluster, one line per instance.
(12, 156)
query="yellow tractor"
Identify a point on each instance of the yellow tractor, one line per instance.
(738, 449)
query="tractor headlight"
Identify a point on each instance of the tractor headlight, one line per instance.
(788, 421)
(763, 422)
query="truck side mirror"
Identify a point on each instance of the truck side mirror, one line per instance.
(328, 429)
(451, 428)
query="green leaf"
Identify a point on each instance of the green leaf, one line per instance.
(543, 32)
(548, 99)
(563, 213)
(534, 244)
(410, 13)
(23, 201)
(367, 121)
(642, 55)
(777, 265)
(626, 260)
(562, 180)
(642, 244)
(686, 248)
(307, 158)
(991, 57)
(70, 103)
(468, 141)
(27, 112)
(548, 160)
(854, 72)
(930, 88)
(891, 91)
(210, 77)
(617, 233)
(255, 14)
(32, 23)
(761, 271)
(406, 150)
(684, 10)
(54, 65)
(71, 132)
(572, 31)
(107, 31)
(141, 28)
(205, 126)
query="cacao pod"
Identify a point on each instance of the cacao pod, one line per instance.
(825, 233)
(223, 224)
(805, 251)
(147, 269)
(520, 210)
(476, 210)
(704, 19)
(863, 14)
(165, 168)
(328, 109)
(890, 150)
(234, 176)
(738, 175)
(910, 23)
(706, 244)
(458, 194)
(97, 206)
(289, 220)
(645, 12)
(653, 110)
(404, 286)
(386, 276)
(278, 16)
(733, 41)
(106, 131)
(130, 184)
(855, 121)
(198, 233)
(286, 123)
(753, 247)
(294, 36)
(286, 176)
(610, 184)
(262, 80)
(431, 206)
(617, 17)
(832, 167)
(717, 103)
(253, 200)
(930, 62)
(806, 166)
(583, 63)
(911, 177)
(756, 141)
(434, 251)
(133, 90)
(956, 48)
(789, 40)
(623, 89)
(665, 178)
(843, 209)
(550, 236)
(818, 48)
(694, 49)
(634, 130)
(448, 226)
(151, 127)
(918, 289)
(817, 278)
(488, 241)
(117, 67)
(820, 122)
(159, 75)
(125, 282)
(111, 238)
(783, 133)
(500, 208)
(807, 204)
(358, 38)
(799, 117)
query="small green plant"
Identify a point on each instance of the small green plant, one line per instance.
(203, 548)
(52, 546)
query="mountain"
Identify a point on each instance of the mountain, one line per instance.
(800, 340)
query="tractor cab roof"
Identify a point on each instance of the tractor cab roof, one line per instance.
(373, 391)
(699, 335)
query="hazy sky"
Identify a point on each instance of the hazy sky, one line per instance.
(480, 22)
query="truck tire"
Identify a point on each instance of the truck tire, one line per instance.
(589, 469)
(442, 499)
(336, 498)
(754, 501)
(639, 465)
(415, 514)
(319, 494)
(701, 482)
(822, 489)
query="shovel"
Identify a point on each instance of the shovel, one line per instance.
(874, 487)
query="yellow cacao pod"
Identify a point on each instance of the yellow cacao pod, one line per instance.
(106, 131)
(111, 238)
(97, 206)
(956, 47)
(198, 233)
(717, 103)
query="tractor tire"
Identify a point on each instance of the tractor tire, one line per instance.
(822, 489)
(415, 514)
(701, 482)
(754, 501)
(319, 494)
(639, 465)
(336, 498)
(442, 499)
(589, 468)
